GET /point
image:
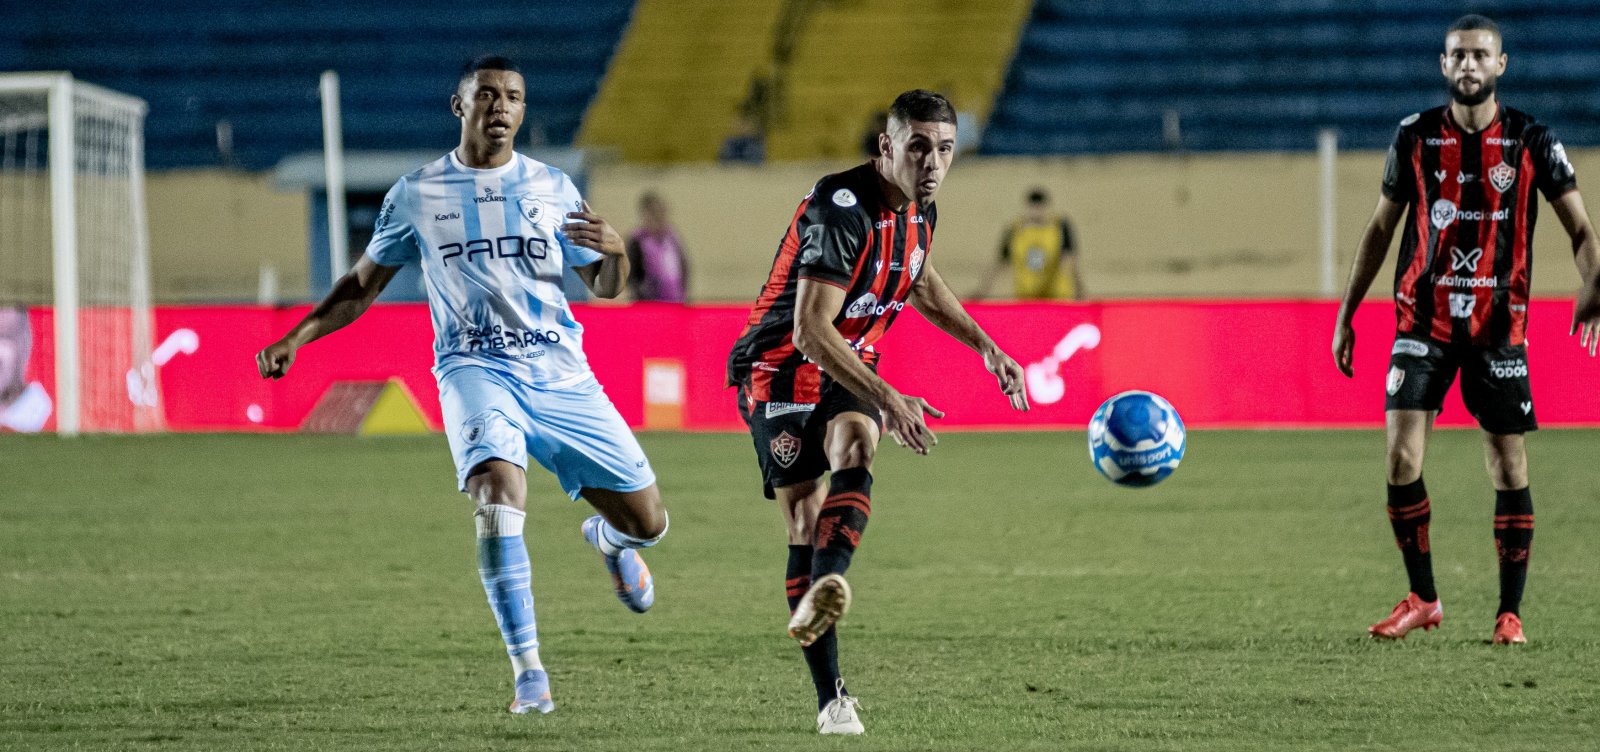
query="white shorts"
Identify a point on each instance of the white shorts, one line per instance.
(574, 432)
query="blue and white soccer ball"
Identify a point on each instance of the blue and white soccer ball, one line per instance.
(1136, 439)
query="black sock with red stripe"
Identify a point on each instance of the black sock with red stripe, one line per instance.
(1409, 515)
(842, 521)
(822, 656)
(1513, 539)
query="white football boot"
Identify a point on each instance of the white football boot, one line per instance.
(839, 716)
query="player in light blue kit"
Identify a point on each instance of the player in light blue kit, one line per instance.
(493, 230)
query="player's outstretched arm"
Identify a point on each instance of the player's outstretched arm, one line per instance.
(1586, 314)
(607, 277)
(1586, 254)
(350, 297)
(1374, 246)
(933, 298)
(816, 305)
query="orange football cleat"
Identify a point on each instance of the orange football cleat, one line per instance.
(1410, 613)
(1508, 630)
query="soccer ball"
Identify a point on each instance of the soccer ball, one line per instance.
(1136, 439)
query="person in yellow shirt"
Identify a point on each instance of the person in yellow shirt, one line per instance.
(1038, 247)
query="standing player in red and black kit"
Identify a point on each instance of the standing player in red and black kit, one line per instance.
(855, 253)
(1468, 173)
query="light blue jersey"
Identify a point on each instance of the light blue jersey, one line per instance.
(492, 252)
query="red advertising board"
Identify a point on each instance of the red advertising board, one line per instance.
(1221, 363)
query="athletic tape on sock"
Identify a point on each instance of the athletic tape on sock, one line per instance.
(613, 541)
(498, 521)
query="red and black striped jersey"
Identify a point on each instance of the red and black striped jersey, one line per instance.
(1465, 255)
(844, 234)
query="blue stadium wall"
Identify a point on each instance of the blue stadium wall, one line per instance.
(256, 65)
(1103, 75)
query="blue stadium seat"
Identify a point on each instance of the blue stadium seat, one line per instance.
(199, 62)
(1101, 75)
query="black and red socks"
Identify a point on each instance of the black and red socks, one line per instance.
(1513, 538)
(1409, 515)
(841, 521)
(822, 656)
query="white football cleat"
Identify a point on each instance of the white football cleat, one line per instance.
(816, 613)
(839, 716)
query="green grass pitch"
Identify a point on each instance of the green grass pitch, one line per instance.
(307, 593)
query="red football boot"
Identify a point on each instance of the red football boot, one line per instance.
(1508, 630)
(1408, 614)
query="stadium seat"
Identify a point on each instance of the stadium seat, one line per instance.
(689, 63)
(850, 60)
(1101, 75)
(257, 67)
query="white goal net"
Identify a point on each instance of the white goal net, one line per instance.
(74, 247)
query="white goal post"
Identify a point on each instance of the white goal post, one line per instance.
(72, 190)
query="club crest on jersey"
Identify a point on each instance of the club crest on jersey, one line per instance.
(785, 449)
(1442, 213)
(473, 430)
(1501, 176)
(916, 261)
(844, 198)
(1397, 376)
(531, 207)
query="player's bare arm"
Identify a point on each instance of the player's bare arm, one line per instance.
(816, 305)
(607, 277)
(1370, 253)
(350, 297)
(1587, 311)
(1586, 254)
(934, 300)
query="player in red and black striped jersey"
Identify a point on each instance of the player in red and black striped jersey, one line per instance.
(1467, 177)
(855, 254)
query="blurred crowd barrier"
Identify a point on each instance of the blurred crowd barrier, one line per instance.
(1222, 363)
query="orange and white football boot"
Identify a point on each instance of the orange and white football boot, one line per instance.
(1410, 613)
(1508, 630)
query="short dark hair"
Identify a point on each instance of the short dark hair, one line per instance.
(1038, 197)
(1474, 22)
(923, 106)
(487, 62)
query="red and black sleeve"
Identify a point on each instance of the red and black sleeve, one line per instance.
(1552, 171)
(1399, 181)
(833, 234)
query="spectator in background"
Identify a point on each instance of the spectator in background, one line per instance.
(746, 145)
(658, 269)
(1038, 247)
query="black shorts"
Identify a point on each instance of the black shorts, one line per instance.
(789, 435)
(1494, 382)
